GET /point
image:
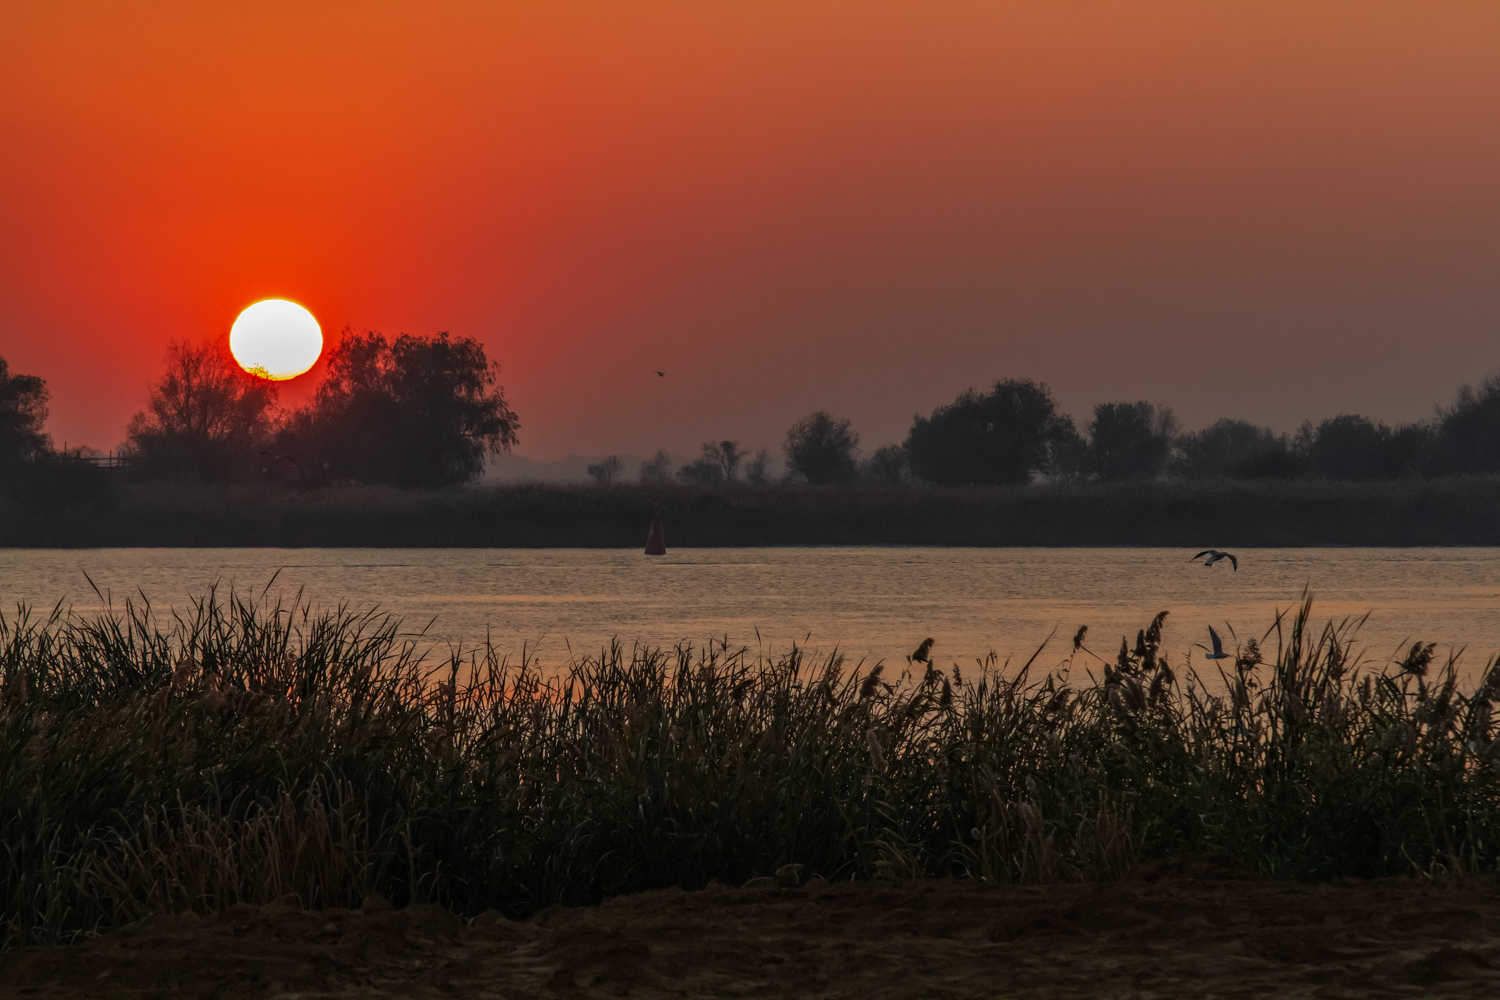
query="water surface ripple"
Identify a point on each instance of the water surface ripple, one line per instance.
(874, 602)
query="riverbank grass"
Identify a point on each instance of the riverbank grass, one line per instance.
(160, 763)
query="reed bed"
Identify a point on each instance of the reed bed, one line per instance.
(157, 763)
(1455, 511)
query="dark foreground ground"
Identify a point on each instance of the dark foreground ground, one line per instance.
(1222, 513)
(1179, 929)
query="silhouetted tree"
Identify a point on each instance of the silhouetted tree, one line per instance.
(820, 448)
(40, 478)
(1302, 444)
(1239, 449)
(1348, 447)
(1468, 433)
(657, 469)
(605, 470)
(1415, 450)
(702, 472)
(421, 411)
(205, 418)
(1129, 440)
(719, 464)
(1003, 436)
(886, 467)
(1067, 455)
(758, 469)
(1354, 447)
(727, 454)
(23, 414)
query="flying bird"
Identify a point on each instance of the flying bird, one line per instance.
(662, 374)
(1218, 653)
(284, 458)
(1214, 555)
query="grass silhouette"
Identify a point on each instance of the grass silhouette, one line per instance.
(156, 763)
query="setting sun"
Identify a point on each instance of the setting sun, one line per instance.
(276, 339)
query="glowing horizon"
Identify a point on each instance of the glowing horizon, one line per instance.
(1273, 213)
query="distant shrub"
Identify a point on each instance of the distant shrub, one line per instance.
(23, 415)
(886, 466)
(1003, 436)
(56, 482)
(757, 470)
(820, 448)
(702, 472)
(1468, 433)
(657, 468)
(206, 418)
(1239, 449)
(1354, 447)
(605, 470)
(1129, 440)
(727, 455)
(419, 411)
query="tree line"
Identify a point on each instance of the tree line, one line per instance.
(414, 411)
(428, 411)
(1014, 433)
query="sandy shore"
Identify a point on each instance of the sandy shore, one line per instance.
(1180, 929)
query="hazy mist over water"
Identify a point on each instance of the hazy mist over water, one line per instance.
(874, 603)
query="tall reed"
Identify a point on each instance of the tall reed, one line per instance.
(160, 763)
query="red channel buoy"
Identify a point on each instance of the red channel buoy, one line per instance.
(656, 540)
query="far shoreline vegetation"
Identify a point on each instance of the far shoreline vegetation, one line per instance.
(392, 448)
(1221, 512)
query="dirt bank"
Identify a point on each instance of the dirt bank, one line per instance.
(1183, 929)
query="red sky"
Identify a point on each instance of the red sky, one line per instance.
(1265, 210)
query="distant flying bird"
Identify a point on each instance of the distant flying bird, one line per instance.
(662, 374)
(1214, 555)
(295, 473)
(284, 458)
(1218, 653)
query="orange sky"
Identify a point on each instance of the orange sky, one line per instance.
(1264, 210)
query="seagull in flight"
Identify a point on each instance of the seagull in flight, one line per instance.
(284, 458)
(662, 374)
(1214, 555)
(1218, 653)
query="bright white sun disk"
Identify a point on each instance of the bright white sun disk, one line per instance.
(276, 339)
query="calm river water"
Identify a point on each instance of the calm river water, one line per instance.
(874, 603)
